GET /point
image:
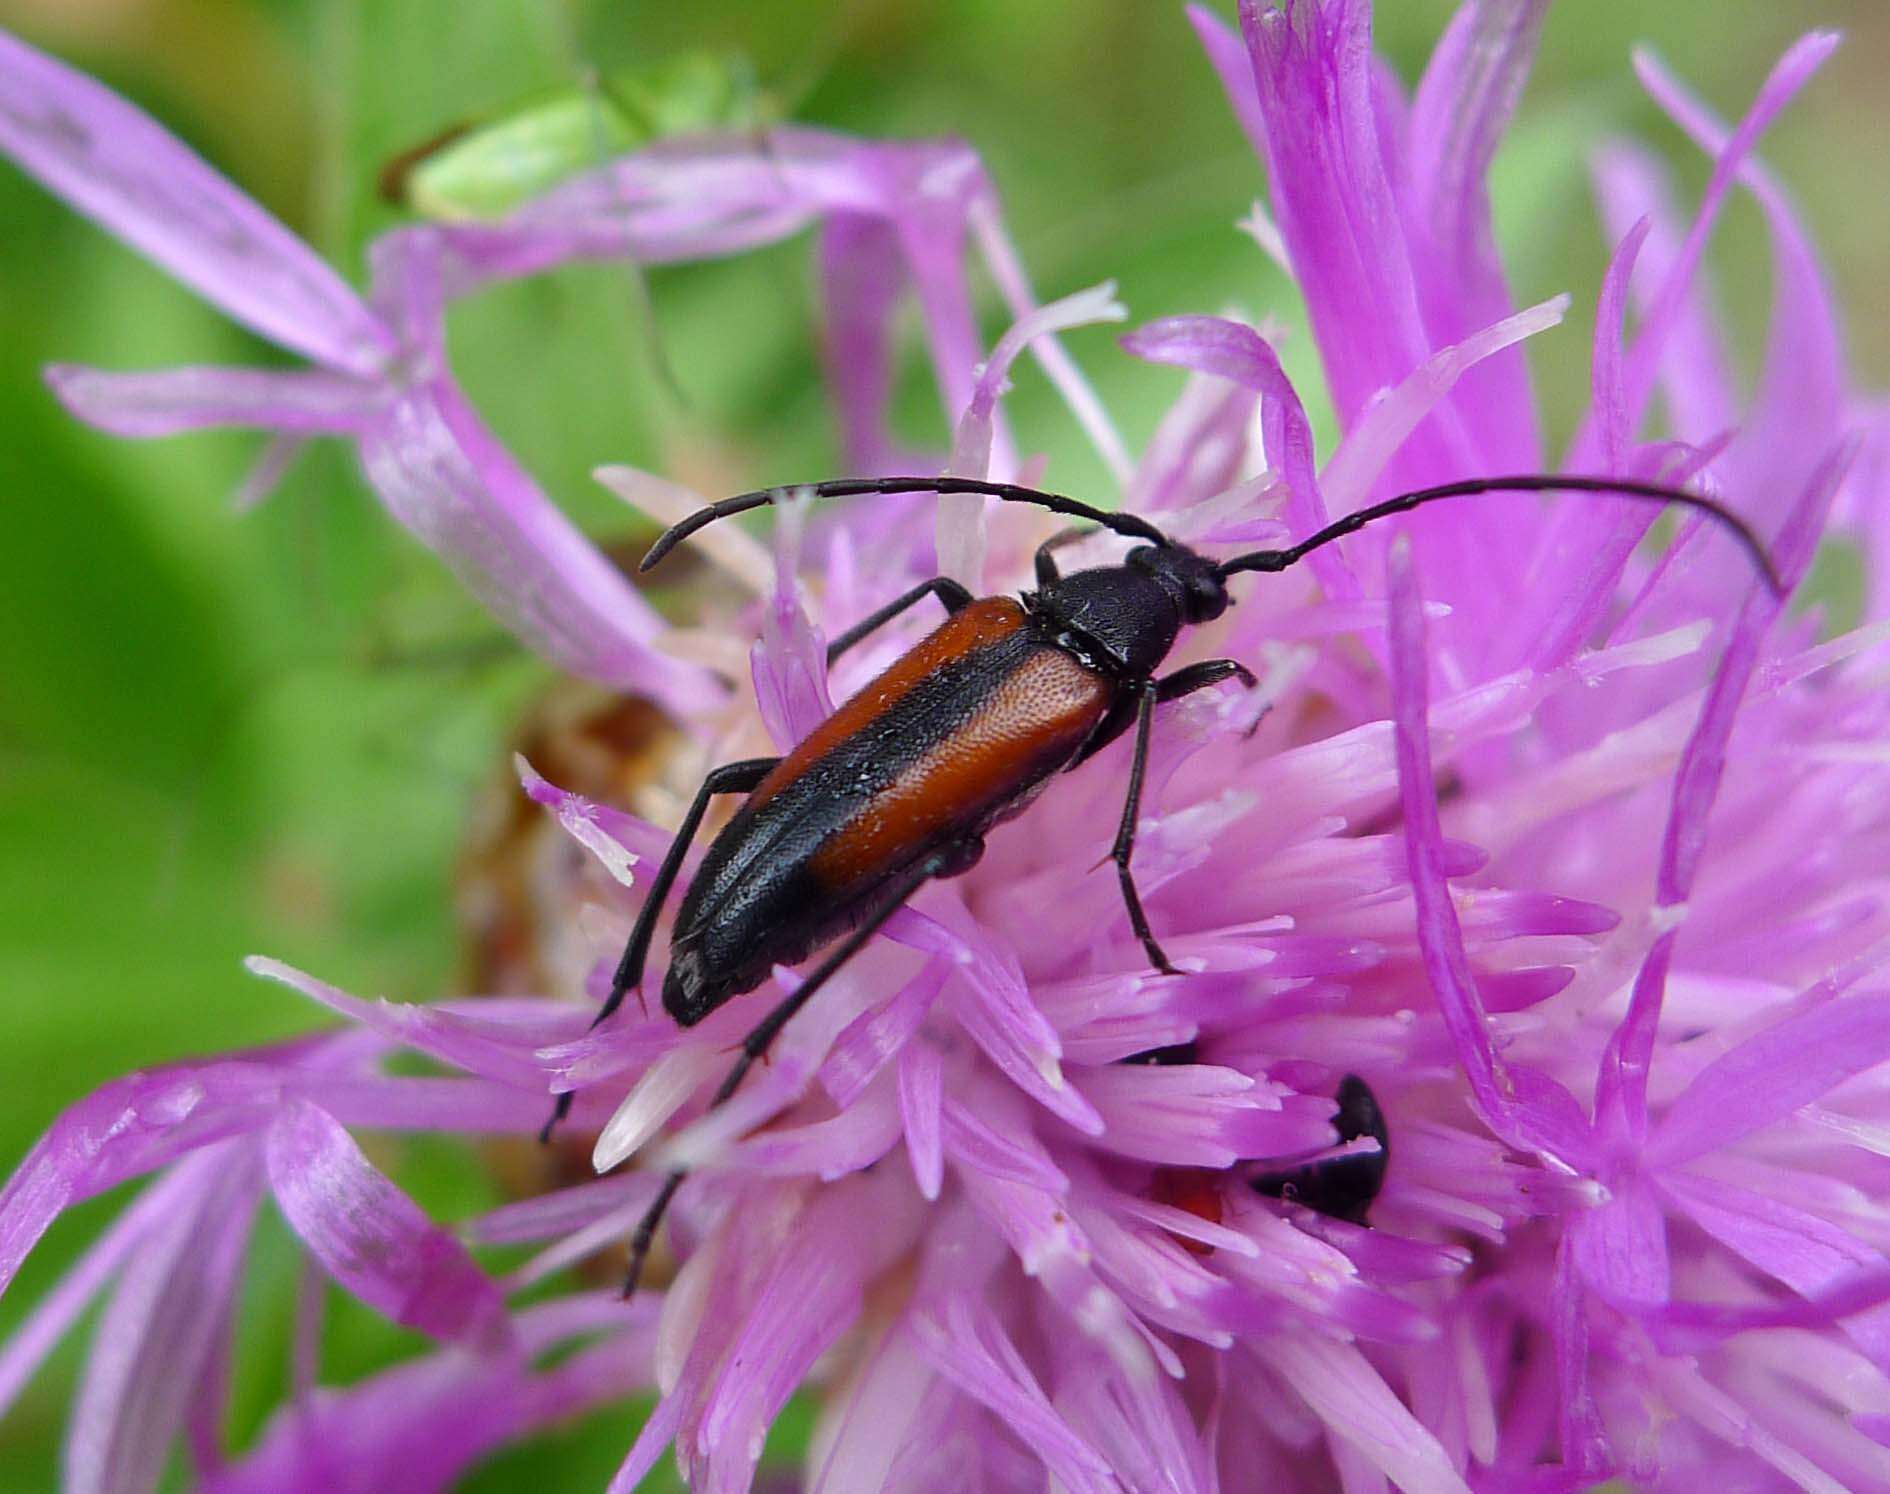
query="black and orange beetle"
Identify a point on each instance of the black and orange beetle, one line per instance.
(900, 785)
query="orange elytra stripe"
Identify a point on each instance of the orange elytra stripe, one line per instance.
(1036, 717)
(972, 627)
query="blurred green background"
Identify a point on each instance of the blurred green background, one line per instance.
(222, 735)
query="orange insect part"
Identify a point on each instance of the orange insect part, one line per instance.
(1195, 1191)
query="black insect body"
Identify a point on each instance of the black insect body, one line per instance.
(1342, 1187)
(1173, 1056)
(900, 785)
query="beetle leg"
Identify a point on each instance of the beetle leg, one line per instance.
(730, 778)
(947, 861)
(1125, 834)
(1046, 561)
(944, 588)
(1182, 682)
(1200, 676)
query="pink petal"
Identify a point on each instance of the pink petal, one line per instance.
(1698, 380)
(1228, 55)
(443, 475)
(1621, 1249)
(861, 277)
(419, 1426)
(810, 1296)
(1594, 562)
(556, 1213)
(1237, 353)
(993, 1005)
(1332, 192)
(961, 517)
(1140, 1424)
(187, 399)
(1463, 106)
(877, 1037)
(1351, 1398)
(971, 445)
(157, 1336)
(372, 1238)
(60, 1308)
(1199, 450)
(1584, 1439)
(871, 1420)
(131, 1126)
(1013, 282)
(1515, 1103)
(1799, 410)
(964, 1341)
(618, 840)
(1381, 432)
(117, 166)
(1791, 73)
(790, 658)
(1696, 786)
(1772, 1076)
(921, 1095)
(1807, 1253)
(478, 1047)
(713, 196)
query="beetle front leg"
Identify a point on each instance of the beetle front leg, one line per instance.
(1208, 672)
(1046, 560)
(1125, 834)
(1200, 676)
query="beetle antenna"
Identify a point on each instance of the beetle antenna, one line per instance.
(1625, 487)
(849, 487)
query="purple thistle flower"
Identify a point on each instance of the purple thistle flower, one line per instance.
(1514, 828)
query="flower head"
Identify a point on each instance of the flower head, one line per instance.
(1497, 885)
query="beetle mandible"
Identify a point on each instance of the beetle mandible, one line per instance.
(899, 786)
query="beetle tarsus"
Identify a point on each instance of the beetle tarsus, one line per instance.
(645, 1235)
(560, 1108)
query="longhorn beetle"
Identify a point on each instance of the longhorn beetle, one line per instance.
(898, 787)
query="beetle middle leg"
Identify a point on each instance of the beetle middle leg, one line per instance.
(1154, 692)
(948, 861)
(731, 778)
(1124, 847)
(948, 591)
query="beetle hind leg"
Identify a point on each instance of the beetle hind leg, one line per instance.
(730, 778)
(940, 863)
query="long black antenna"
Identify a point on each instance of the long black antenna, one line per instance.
(1625, 487)
(850, 487)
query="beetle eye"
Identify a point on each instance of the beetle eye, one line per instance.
(1207, 598)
